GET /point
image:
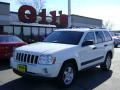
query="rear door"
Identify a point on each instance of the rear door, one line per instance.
(100, 45)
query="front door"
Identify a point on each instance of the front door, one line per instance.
(90, 54)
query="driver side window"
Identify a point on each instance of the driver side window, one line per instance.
(89, 37)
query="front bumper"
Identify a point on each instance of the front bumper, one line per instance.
(36, 69)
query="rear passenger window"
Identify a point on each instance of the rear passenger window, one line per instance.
(107, 35)
(99, 36)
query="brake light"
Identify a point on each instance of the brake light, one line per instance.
(1, 48)
(4, 48)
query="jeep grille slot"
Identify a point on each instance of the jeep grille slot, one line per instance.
(27, 58)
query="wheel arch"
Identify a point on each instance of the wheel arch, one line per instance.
(111, 54)
(72, 61)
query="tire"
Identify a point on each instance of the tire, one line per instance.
(67, 75)
(107, 63)
(116, 46)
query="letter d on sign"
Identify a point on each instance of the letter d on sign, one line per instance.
(27, 17)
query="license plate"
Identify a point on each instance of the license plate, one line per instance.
(21, 68)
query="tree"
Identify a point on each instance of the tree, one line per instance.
(108, 25)
(37, 4)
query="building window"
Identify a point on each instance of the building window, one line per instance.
(17, 31)
(8, 29)
(1, 29)
(48, 31)
(41, 33)
(35, 37)
(27, 34)
(54, 29)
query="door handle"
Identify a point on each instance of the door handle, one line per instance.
(94, 48)
(105, 45)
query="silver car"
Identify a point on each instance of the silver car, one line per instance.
(116, 37)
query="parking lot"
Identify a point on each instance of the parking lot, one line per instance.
(91, 79)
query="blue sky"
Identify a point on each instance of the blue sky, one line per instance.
(107, 10)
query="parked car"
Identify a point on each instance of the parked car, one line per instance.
(116, 37)
(63, 53)
(117, 34)
(7, 45)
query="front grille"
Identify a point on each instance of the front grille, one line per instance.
(27, 58)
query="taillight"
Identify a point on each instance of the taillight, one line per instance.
(4, 48)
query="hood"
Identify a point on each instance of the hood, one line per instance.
(45, 47)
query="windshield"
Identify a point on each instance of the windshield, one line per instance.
(6, 38)
(64, 37)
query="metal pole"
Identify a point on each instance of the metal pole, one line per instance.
(69, 13)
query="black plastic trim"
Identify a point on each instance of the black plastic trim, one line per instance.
(93, 60)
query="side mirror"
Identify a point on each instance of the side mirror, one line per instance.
(86, 43)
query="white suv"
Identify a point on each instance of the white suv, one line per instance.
(63, 53)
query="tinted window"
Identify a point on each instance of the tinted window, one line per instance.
(107, 35)
(65, 37)
(90, 37)
(99, 36)
(5, 38)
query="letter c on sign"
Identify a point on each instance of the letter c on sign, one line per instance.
(27, 17)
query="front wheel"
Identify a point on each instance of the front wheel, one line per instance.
(107, 63)
(66, 75)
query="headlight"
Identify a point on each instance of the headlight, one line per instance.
(46, 59)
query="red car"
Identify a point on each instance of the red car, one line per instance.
(7, 45)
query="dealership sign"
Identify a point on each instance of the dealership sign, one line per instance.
(28, 14)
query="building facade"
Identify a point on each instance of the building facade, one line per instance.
(85, 22)
(79, 22)
(32, 32)
(4, 15)
(29, 32)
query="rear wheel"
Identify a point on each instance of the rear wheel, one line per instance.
(66, 75)
(107, 63)
(116, 46)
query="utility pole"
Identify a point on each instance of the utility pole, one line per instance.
(69, 13)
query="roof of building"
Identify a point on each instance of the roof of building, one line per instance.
(86, 17)
(32, 24)
(81, 29)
